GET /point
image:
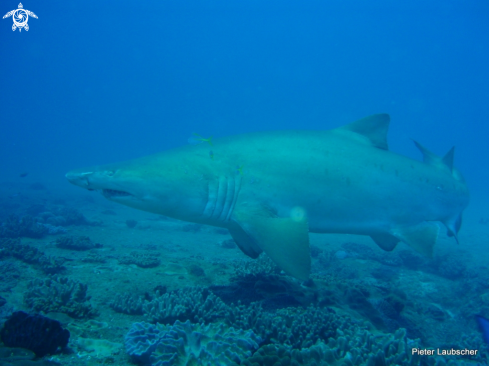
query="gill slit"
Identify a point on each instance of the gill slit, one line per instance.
(221, 198)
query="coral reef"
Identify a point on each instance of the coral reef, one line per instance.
(25, 226)
(350, 346)
(54, 230)
(273, 290)
(141, 259)
(64, 216)
(195, 304)
(79, 243)
(449, 266)
(31, 255)
(127, 303)
(59, 294)
(37, 333)
(262, 265)
(196, 271)
(9, 275)
(189, 344)
(94, 258)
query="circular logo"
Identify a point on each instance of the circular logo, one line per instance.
(20, 18)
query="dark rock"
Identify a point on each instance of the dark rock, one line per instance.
(31, 255)
(25, 226)
(2, 301)
(411, 259)
(315, 251)
(37, 333)
(141, 259)
(131, 223)
(197, 271)
(384, 273)
(76, 243)
(228, 244)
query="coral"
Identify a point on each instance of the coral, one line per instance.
(262, 265)
(273, 290)
(296, 327)
(76, 243)
(195, 304)
(127, 303)
(141, 259)
(450, 266)
(25, 226)
(59, 294)
(9, 275)
(189, 344)
(350, 346)
(54, 230)
(411, 260)
(30, 255)
(35, 332)
(70, 216)
(94, 258)
(315, 251)
(196, 271)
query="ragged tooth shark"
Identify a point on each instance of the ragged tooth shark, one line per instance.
(269, 189)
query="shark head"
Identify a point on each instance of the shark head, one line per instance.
(147, 184)
(115, 184)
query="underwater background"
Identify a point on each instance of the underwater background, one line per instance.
(99, 82)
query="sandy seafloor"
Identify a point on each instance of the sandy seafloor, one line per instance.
(439, 297)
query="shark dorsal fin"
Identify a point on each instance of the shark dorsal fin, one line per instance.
(373, 127)
(448, 158)
(434, 160)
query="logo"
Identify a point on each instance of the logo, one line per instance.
(20, 17)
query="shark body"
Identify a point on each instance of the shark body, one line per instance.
(270, 189)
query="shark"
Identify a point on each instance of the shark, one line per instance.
(270, 189)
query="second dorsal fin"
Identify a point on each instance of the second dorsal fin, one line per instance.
(434, 160)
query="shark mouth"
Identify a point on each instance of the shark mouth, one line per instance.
(112, 193)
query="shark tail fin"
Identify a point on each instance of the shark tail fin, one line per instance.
(453, 226)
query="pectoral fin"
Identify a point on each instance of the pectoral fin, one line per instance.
(286, 241)
(247, 245)
(421, 238)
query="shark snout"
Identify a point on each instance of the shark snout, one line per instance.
(81, 179)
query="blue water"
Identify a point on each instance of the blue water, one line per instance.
(97, 82)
